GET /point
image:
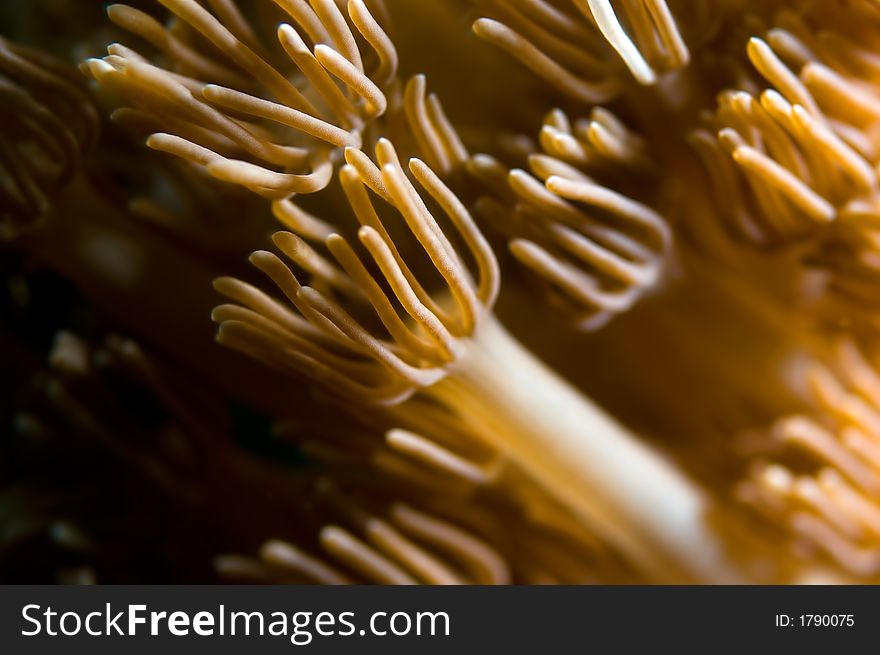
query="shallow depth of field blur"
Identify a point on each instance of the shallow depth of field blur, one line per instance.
(682, 201)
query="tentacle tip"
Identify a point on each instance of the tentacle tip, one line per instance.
(366, 233)
(519, 247)
(483, 26)
(157, 141)
(308, 293)
(518, 174)
(554, 183)
(322, 50)
(259, 256)
(348, 173)
(220, 283)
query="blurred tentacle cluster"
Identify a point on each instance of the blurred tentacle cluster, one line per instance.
(568, 43)
(402, 528)
(523, 335)
(49, 123)
(819, 473)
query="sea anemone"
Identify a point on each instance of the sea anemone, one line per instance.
(526, 334)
